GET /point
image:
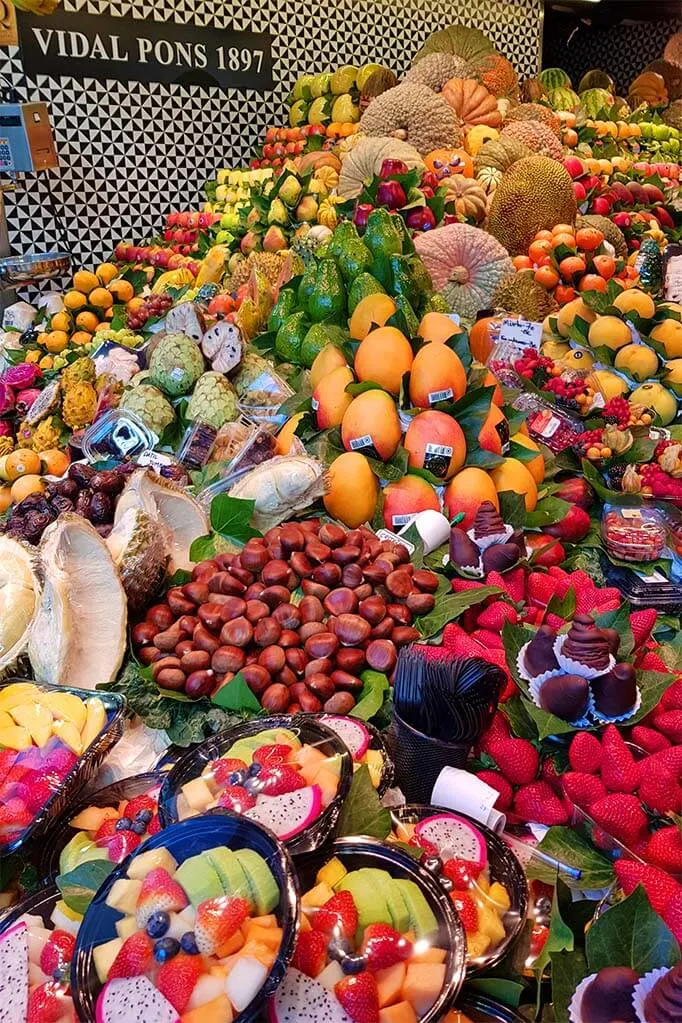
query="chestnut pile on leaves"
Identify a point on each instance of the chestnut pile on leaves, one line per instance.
(84, 490)
(297, 649)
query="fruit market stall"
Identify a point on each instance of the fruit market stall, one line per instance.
(341, 572)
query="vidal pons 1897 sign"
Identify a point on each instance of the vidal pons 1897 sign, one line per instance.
(81, 45)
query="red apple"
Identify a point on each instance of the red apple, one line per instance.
(552, 554)
(576, 490)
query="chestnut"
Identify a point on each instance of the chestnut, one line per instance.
(352, 630)
(404, 634)
(143, 633)
(178, 603)
(425, 581)
(363, 591)
(351, 575)
(421, 603)
(171, 678)
(399, 583)
(256, 678)
(267, 632)
(328, 574)
(184, 646)
(317, 551)
(200, 683)
(309, 703)
(167, 640)
(351, 660)
(238, 632)
(242, 574)
(289, 638)
(231, 607)
(296, 659)
(225, 561)
(228, 658)
(288, 616)
(272, 658)
(195, 660)
(254, 591)
(225, 582)
(286, 676)
(320, 665)
(372, 609)
(375, 574)
(400, 614)
(344, 680)
(165, 662)
(161, 616)
(313, 589)
(322, 644)
(311, 629)
(275, 573)
(210, 615)
(149, 654)
(331, 535)
(188, 623)
(276, 698)
(301, 564)
(310, 526)
(254, 557)
(384, 629)
(355, 537)
(340, 601)
(202, 572)
(275, 595)
(197, 592)
(381, 655)
(276, 550)
(346, 554)
(203, 640)
(292, 537)
(311, 609)
(255, 610)
(339, 703)
(321, 685)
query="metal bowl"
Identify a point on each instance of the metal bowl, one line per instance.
(17, 271)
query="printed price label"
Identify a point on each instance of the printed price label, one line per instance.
(386, 534)
(361, 442)
(521, 334)
(436, 396)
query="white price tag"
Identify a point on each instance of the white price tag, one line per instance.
(521, 334)
(386, 534)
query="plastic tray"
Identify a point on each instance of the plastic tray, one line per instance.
(355, 853)
(189, 838)
(309, 731)
(62, 832)
(664, 597)
(504, 867)
(85, 768)
(376, 742)
(40, 903)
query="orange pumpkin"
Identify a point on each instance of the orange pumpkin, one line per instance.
(472, 102)
(480, 341)
(446, 162)
(323, 158)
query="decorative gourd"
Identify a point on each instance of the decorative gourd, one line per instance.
(472, 102)
(500, 154)
(365, 160)
(328, 176)
(468, 197)
(466, 265)
(673, 50)
(322, 158)
(537, 136)
(445, 162)
(489, 178)
(498, 75)
(649, 87)
(671, 75)
(477, 136)
(468, 43)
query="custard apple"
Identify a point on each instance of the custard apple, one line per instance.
(213, 401)
(150, 405)
(175, 365)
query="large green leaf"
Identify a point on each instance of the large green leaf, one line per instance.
(568, 846)
(568, 969)
(451, 606)
(631, 934)
(362, 812)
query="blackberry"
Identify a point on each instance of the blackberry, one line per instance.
(615, 475)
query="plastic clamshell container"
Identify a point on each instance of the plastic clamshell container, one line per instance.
(85, 768)
(661, 596)
(117, 434)
(184, 840)
(40, 903)
(376, 743)
(308, 731)
(61, 832)
(503, 867)
(356, 853)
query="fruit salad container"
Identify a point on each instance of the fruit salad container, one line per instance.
(475, 1008)
(54, 740)
(199, 922)
(379, 939)
(37, 941)
(480, 874)
(107, 825)
(289, 773)
(366, 745)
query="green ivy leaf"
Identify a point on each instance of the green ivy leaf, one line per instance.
(79, 886)
(371, 700)
(559, 939)
(631, 934)
(568, 846)
(516, 713)
(451, 606)
(231, 517)
(547, 511)
(513, 508)
(362, 812)
(568, 969)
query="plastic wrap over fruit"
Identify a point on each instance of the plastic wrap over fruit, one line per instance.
(24, 374)
(6, 399)
(19, 316)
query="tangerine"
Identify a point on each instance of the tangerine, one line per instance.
(21, 462)
(101, 298)
(572, 267)
(589, 238)
(56, 341)
(605, 266)
(75, 300)
(522, 263)
(562, 229)
(54, 461)
(87, 321)
(85, 281)
(61, 321)
(540, 248)
(122, 290)
(566, 238)
(80, 338)
(547, 277)
(106, 272)
(592, 282)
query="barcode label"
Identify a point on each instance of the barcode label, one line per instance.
(401, 520)
(445, 395)
(439, 449)
(361, 442)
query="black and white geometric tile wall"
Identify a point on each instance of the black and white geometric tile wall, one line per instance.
(129, 153)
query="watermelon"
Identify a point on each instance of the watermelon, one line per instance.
(554, 78)
(596, 79)
(564, 99)
(594, 101)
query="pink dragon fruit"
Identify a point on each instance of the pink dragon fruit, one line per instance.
(6, 428)
(26, 398)
(6, 399)
(24, 374)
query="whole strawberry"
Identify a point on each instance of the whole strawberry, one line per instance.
(641, 623)
(583, 789)
(649, 739)
(673, 915)
(659, 886)
(659, 788)
(665, 850)
(670, 758)
(46, 1003)
(278, 781)
(499, 782)
(670, 723)
(537, 803)
(359, 997)
(383, 946)
(621, 816)
(517, 759)
(672, 697)
(496, 615)
(338, 916)
(585, 753)
(619, 770)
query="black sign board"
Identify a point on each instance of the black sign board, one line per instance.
(81, 45)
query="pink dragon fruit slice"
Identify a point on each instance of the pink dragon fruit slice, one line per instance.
(22, 375)
(289, 814)
(6, 428)
(300, 999)
(454, 838)
(6, 399)
(25, 398)
(14, 974)
(132, 1000)
(351, 731)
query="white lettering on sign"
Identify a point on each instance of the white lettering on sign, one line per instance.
(78, 46)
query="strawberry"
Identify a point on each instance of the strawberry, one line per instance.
(619, 770)
(621, 816)
(14, 817)
(673, 915)
(338, 914)
(608, 598)
(532, 615)
(652, 662)
(310, 955)
(466, 910)
(137, 804)
(57, 951)
(499, 782)
(583, 789)
(513, 583)
(491, 640)
(7, 758)
(235, 797)
(462, 873)
(177, 979)
(159, 893)
(517, 759)
(649, 739)
(217, 921)
(641, 623)
(659, 886)
(383, 946)
(548, 773)
(154, 825)
(659, 789)
(38, 794)
(672, 697)
(122, 844)
(670, 723)
(664, 849)
(224, 768)
(563, 580)
(495, 615)
(277, 781)
(106, 831)
(554, 620)
(585, 753)
(359, 997)
(498, 729)
(536, 802)
(134, 958)
(46, 1003)
(540, 588)
(461, 585)
(428, 848)
(670, 758)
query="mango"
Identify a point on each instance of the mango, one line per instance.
(331, 357)
(466, 492)
(632, 300)
(435, 441)
(437, 327)
(515, 476)
(330, 399)
(494, 433)
(371, 424)
(353, 490)
(384, 357)
(437, 374)
(372, 311)
(406, 498)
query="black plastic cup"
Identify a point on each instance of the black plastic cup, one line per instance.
(419, 760)
(308, 730)
(183, 840)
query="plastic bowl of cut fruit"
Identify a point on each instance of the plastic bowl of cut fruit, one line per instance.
(379, 941)
(198, 925)
(483, 879)
(290, 774)
(366, 746)
(37, 941)
(108, 825)
(53, 739)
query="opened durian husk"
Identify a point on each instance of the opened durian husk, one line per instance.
(20, 590)
(280, 487)
(140, 552)
(78, 636)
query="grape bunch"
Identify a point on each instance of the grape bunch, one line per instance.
(153, 307)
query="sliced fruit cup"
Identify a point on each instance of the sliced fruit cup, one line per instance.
(111, 823)
(475, 1008)
(480, 874)
(199, 922)
(290, 774)
(54, 738)
(379, 939)
(366, 746)
(37, 941)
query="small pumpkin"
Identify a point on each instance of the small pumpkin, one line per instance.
(467, 196)
(649, 87)
(472, 102)
(445, 162)
(366, 157)
(479, 135)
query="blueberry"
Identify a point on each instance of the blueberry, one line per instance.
(255, 769)
(353, 964)
(123, 824)
(339, 949)
(188, 943)
(144, 816)
(60, 973)
(165, 949)
(253, 785)
(237, 778)
(138, 827)
(158, 924)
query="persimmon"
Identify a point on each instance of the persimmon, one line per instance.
(565, 238)
(522, 263)
(562, 229)
(540, 248)
(547, 277)
(572, 267)
(589, 238)
(592, 282)
(605, 266)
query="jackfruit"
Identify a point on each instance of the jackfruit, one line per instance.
(533, 195)
(520, 293)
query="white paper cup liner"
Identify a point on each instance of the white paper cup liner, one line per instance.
(642, 989)
(536, 684)
(575, 1006)
(621, 717)
(470, 572)
(524, 673)
(572, 667)
(483, 542)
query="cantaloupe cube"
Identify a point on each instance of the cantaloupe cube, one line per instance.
(197, 794)
(428, 955)
(93, 817)
(483, 883)
(124, 894)
(232, 945)
(305, 924)
(329, 784)
(402, 1012)
(317, 896)
(270, 936)
(219, 1009)
(390, 983)
(477, 944)
(257, 950)
(126, 926)
(260, 921)
(500, 896)
(309, 761)
(104, 955)
(423, 984)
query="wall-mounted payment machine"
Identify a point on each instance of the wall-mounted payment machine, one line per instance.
(26, 138)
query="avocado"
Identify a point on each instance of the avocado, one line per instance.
(345, 234)
(397, 906)
(328, 300)
(262, 885)
(402, 279)
(283, 307)
(290, 338)
(369, 899)
(361, 287)
(230, 872)
(199, 878)
(354, 259)
(79, 850)
(404, 318)
(422, 920)
(307, 285)
(319, 335)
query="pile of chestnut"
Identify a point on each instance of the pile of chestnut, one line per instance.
(300, 612)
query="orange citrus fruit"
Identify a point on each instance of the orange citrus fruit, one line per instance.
(56, 341)
(81, 337)
(101, 298)
(30, 484)
(122, 290)
(87, 321)
(106, 272)
(84, 280)
(61, 321)
(75, 300)
(134, 305)
(54, 461)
